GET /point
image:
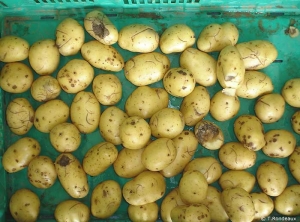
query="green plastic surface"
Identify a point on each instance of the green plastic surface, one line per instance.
(37, 19)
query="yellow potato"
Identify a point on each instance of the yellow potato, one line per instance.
(72, 210)
(290, 92)
(295, 121)
(197, 212)
(263, 205)
(293, 162)
(146, 212)
(13, 49)
(45, 88)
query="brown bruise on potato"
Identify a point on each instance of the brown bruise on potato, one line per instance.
(207, 131)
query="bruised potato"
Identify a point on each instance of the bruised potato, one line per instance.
(13, 49)
(71, 210)
(45, 88)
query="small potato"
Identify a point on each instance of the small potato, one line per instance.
(272, 178)
(280, 143)
(186, 213)
(65, 137)
(71, 175)
(179, 82)
(146, 68)
(195, 106)
(202, 65)
(147, 212)
(176, 38)
(24, 205)
(41, 172)
(110, 122)
(44, 56)
(72, 210)
(263, 205)
(167, 122)
(102, 56)
(255, 84)
(147, 187)
(224, 107)
(135, 132)
(19, 116)
(75, 76)
(85, 112)
(107, 89)
(98, 158)
(144, 101)
(293, 162)
(257, 54)
(106, 199)
(50, 114)
(16, 77)
(295, 121)
(99, 26)
(235, 156)
(138, 38)
(209, 135)
(20, 153)
(69, 37)
(13, 49)
(45, 88)
(269, 108)
(290, 92)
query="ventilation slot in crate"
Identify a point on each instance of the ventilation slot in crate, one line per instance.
(62, 1)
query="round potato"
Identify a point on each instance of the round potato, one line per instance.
(19, 116)
(290, 92)
(45, 88)
(72, 210)
(294, 160)
(295, 121)
(41, 172)
(107, 89)
(194, 212)
(147, 212)
(263, 205)
(13, 49)
(16, 77)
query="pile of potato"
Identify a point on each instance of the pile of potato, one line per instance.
(153, 136)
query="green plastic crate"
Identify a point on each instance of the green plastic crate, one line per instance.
(37, 19)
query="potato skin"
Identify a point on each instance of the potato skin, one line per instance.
(287, 203)
(194, 212)
(147, 212)
(290, 92)
(45, 88)
(295, 121)
(293, 162)
(13, 49)
(263, 204)
(72, 210)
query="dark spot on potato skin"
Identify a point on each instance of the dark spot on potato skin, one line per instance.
(64, 161)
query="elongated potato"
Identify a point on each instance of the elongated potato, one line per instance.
(13, 49)
(71, 210)
(146, 212)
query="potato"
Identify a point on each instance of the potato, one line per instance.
(16, 77)
(215, 37)
(65, 137)
(269, 108)
(209, 135)
(287, 203)
(99, 157)
(295, 121)
(235, 156)
(99, 26)
(224, 107)
(209, 166)
(147, 212)
(146, 68)
(197, 212)
(293, 163)
(186, 145)
(176, 38)
(195, 106)
(13, 49)
(41, 172)
(45, 88)
(135, 132)
(69, 37)
(255, 84)
(249, 131)
(280, 143)
(19, 116)
(140, 38)
(107, 89)
(257, 54)
(19, 154)
(50, 114)
(144, 101)
(237, 178)
(147, 187)
(272, 178)
(106, 199)
(290, 92)
(24, 205)
(159, 154)
(110, 122)
(102, 56)
(202, 65)
(179, 82)
(263, 205)
(238, 204)
(85, 112)
(71, 175)
(167, 122)
(71, 210)
(230, 70)
(76, 75)
(44, 56)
